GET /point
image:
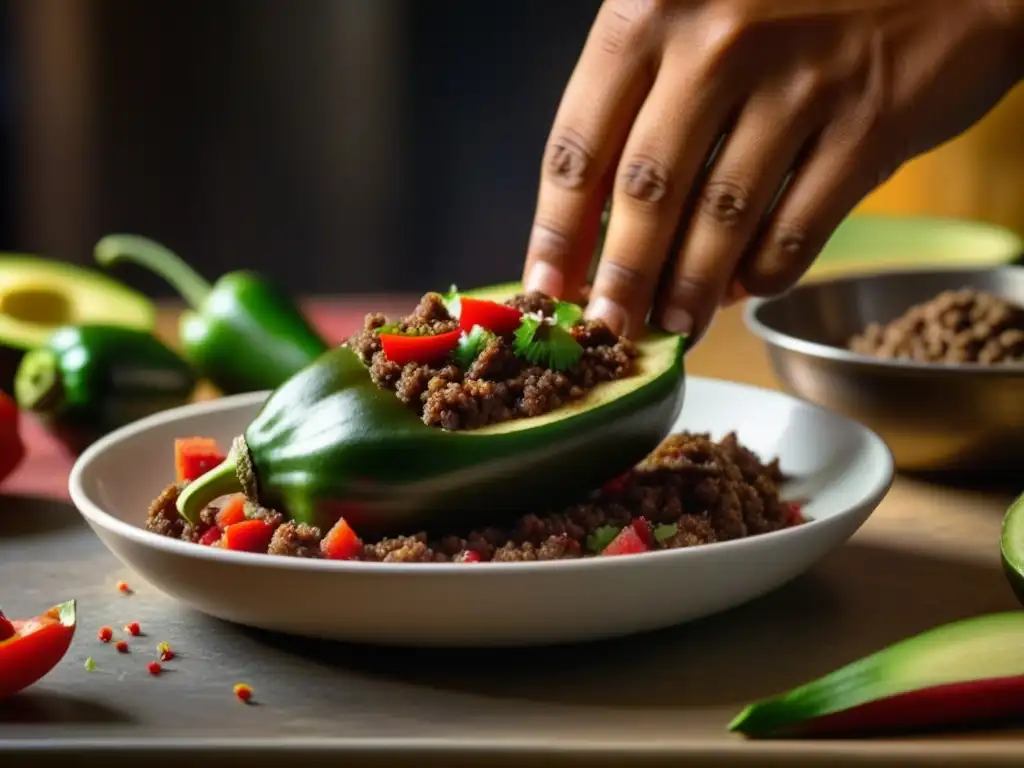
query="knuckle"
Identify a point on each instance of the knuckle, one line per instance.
(783, 258)
(620, 280)
(645, 180)
(628, 23)
(725, 202)
(568, 161)
(549, 239)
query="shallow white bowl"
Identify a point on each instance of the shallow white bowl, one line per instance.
(843, 468)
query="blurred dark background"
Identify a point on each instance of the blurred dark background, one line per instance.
(336, 145)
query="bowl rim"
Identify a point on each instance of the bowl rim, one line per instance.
(777, 338)
(96, 516)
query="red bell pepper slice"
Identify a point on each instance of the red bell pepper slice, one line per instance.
(248, 536)
(341, 542)
(419, 349)
(34, 647)
(643, 531)
(210, 536)
(627, 542)
(495, 317)
(195, 456)
(12, 446)
(232, 512)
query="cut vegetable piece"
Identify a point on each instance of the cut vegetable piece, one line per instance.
(248, 536)
(628, 542)
(330, 443)
(492, 315)
(35, 647)
(195, 456)
(1011, 547)
(341, 542)
(963, 673)
(403, 349)
(232, 512)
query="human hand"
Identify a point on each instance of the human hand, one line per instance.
(811, 104)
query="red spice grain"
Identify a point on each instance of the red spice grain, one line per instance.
(154, 668)
(122, 646)
(105, 634)
(243, 692)
(165, 652)
(133, 629)
(123, 588)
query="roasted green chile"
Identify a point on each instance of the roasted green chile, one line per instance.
(243, 333)
(330, 443)
(90, 379)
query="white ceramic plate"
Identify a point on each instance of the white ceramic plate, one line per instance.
(841, 466)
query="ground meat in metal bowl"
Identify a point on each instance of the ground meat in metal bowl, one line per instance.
(499, 385)
(690, 491)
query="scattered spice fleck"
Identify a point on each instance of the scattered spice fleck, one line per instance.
(154, 668)
(165, 652)
(123, 588)
(122, 646)
(90, 665)
(133, 629)
(243, 692)
(105, 634)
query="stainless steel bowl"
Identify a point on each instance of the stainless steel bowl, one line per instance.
(936, 418)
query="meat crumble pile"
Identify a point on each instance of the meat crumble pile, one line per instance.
(964, 326)
(691, 490)
(499, 385)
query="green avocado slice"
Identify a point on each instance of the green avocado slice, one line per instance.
(962, 673)
(330, 443)
(1011, 546)
(39, 295)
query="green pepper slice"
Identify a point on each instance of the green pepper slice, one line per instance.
(243, 334)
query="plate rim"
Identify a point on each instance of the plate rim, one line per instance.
(96, 516)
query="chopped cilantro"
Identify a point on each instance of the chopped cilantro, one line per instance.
(551, 346)
(471, 345)
(602, 537)
(568, 314)
(663, 533)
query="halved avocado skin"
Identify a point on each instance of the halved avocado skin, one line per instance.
(22, 273)
(1011, 547)
(329, 442)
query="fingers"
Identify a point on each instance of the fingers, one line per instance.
(672, 137)
(748, 172)
(826, 188)
(602, 98)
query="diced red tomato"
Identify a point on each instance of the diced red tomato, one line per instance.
(210, 536)
(419, 349)
(195, 456)
(644, 531)
(232, 512)
(627, 542)
(341, 542)
(248, 536)
(491, 315)
(617, 484)
(470, 556)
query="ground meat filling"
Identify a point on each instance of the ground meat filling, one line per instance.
(692, 489)
(965, 326)
(498, 386)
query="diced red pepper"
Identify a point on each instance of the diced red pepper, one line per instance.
(6, 628)
(232, 512)
(35, 647)
(419, 349)
(644, 531)
(341, 542)
(627, 542)
(211, 536)
(248, 536)
(495, 317)
(470, 556)
(12, 446)
(195, 456)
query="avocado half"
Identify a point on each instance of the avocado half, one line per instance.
(965, 673)
(39, 295)
(330, 442)
(1011, 547)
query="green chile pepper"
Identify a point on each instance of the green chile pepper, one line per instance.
(329, 443)
(90, 379)
(242, 334)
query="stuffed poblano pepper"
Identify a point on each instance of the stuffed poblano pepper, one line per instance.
(425, 422)
(243, 333)
(88, 380)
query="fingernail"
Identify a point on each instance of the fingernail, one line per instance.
(676, 320)
(545, 278)
(614, 315)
